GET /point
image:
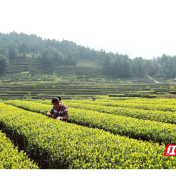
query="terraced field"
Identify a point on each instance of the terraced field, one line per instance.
(19, 90)
(109, 134)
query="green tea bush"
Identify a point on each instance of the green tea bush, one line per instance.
(10, 158)
(123, 125)
(56, 144)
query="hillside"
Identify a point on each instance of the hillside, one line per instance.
(32, 56)
(30, 68)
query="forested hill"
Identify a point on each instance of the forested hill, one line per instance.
(50, 54)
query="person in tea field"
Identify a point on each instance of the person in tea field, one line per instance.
(93, 99)
(59, 110)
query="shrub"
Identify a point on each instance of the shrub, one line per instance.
(10, 158)
(77, 97)
(117, 124)
(79, 147)
(172, 88)
(119, 80)
(28, 97)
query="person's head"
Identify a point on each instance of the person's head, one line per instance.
(55, 101)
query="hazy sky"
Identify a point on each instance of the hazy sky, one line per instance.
(145, 28)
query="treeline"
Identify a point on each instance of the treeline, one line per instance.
(122, 66)
(57, 53)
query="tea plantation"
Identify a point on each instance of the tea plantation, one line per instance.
(103, 134)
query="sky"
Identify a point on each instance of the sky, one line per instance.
(137, 28)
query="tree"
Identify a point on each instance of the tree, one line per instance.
(69, 60)
(24, 55)
(106, 63)
(134, 69)
(51, 57)
(52, 53)
(46, 60)
(173, 70)
(127, 68)
(149, 67)
(13, 50)
(4, 64)
(139, 66)
(117, 66)
(4, 51)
